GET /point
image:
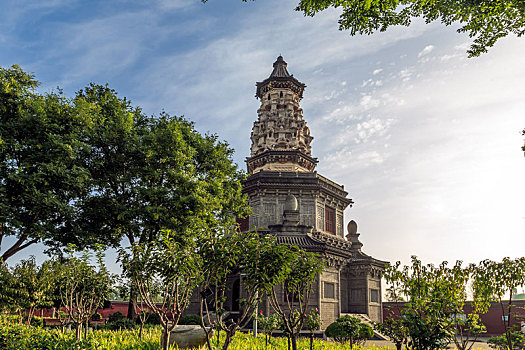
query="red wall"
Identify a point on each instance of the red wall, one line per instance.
(492, 319)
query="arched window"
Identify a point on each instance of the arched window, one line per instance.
(268, 97)
(281, 95)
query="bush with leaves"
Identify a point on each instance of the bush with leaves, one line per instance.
(349, 329)
(394, 329)
(120, 324)
(500, 342)
(190, 319)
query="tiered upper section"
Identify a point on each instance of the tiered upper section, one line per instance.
(280, 137)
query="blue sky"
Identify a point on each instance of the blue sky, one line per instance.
(426, 141)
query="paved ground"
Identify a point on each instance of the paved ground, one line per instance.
(382, 343)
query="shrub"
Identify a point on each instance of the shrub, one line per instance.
(116, 316)
(190, 319)
(123, 323)
(350, 329)
(153, 318)
(500, 342)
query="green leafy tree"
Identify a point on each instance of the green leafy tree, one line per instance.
(313, 323)
(261, 262)
(484, 20)
(349, 329)
(268, 324)
(436, 295)
(468, 329)
(497, 281)
(34, 285)
(394, 328)
(82, 287)
(165, 273)
(302, 268)
(154, 174)
(9, 293)
(41, 142)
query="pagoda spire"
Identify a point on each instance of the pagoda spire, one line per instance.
(279, 69)
(280, 137)
(280, 78)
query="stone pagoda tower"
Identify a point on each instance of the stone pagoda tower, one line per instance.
(291, 201)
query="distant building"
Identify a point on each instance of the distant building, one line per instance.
(291, 201)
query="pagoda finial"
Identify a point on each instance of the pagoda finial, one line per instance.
(279, 68)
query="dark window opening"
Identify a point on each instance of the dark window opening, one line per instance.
(329, 219)
(329, 290)
(374, 295)
(236, 294)
(244, 224)
(281, 95)
(268, 97)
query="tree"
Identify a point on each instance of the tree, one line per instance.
(261, 262)
(495, 281)
(302, 269)
(435, 295)
(313, 323)
(34, 285)
(167, 271)
(154, 174)
(40, 177)
(484, 20)
(82, 287)
(394, 329)
(268, 324)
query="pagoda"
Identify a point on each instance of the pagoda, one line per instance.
(291, 201)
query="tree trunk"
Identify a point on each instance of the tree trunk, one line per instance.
(132, 306)
(78, 330)
(166, 343)
(312, 341)
(294, 341)
(227, 341)
(140, 330)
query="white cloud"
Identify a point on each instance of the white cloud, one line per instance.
(377, 71)
(428, 49)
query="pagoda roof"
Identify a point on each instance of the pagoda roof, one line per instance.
(280, 78)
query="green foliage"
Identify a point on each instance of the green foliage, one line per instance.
(313, 321)
(299, 271)
(81, 287)
(152, 318)
(190, 319)
(120, 324)
(436, 295)
(500, 342)
(41, 178)
(349, 329)
(116, 316)
(497, 281)
(259, 259)
(485, 21)
(14, 336)
(393, 327)
(35, 286)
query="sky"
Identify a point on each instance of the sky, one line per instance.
(426, 141)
